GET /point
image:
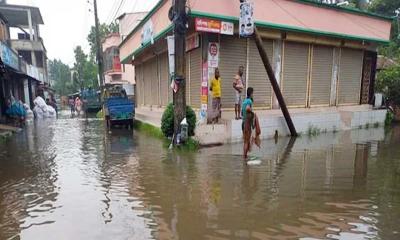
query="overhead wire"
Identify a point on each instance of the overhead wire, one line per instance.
(116, 12)
(112, 11)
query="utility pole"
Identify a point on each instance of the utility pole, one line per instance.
(180, 20)
(99, 54)
(270, 72)
(274, 83)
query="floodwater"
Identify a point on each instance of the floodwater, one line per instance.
(69, 179)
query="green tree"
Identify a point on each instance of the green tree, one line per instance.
(61, 74)
(86, 70)
(104, 30)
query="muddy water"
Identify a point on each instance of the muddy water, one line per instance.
(70, 180)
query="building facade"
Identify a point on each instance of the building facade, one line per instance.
(19, 79)
(329, 62)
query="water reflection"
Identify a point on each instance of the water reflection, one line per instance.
(73, 180)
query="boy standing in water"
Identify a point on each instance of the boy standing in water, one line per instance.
(247, 113)
(238, 85)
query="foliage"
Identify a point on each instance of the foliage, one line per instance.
(104, 30)
(388, 8)
(61, 74)
(167, 121)
(389, 118)
(388, 82)
(148, 129)
(85, 70)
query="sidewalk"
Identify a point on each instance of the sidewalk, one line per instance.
(272, 122)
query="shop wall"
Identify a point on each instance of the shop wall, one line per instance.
(257, 76)
(350, 72)
(233, 53)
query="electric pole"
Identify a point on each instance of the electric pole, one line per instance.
(180, 20)
(99, 54)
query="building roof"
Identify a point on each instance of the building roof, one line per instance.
(288, 15)
(304, 16)
(17, 14)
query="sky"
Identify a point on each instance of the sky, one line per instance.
(67, 22)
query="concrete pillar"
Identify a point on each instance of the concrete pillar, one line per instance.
(34, 63)
(30, 24)
(30, 93)
(335, 75)
(26, 91)
(277, 65)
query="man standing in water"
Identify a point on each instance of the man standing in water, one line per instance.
(248, 115)
(238, 85)
(215, 88)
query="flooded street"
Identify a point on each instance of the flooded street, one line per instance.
(70, 180)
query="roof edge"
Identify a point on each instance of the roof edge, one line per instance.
(148, 43)
(145, 19)
(290, 28)
(346, 9)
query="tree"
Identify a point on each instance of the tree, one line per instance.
(60, 73)
(86, 70)
(104, 30)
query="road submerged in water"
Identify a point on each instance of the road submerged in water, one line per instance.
(70, 179)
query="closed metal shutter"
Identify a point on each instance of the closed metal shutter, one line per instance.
(154, 82)
(233, 52)
(295, 74)
(350, 70)
(139, 85)
(187, 73)
(147, 75)
(164, 79)
(195, 78)
(321, 76)
(258, 78)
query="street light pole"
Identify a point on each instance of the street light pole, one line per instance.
(99, 54)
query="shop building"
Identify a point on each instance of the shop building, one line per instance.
(324, 56)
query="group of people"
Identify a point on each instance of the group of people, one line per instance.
(75, 105)
(243, 108)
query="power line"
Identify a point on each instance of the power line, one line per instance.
(116, 13)
(112, 10)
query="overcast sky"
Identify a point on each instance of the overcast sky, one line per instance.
(67, 22)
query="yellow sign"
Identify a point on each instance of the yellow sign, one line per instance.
(204, 99)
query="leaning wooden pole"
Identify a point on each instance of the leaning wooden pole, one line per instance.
(274, 83)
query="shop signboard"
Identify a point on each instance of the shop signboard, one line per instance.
(246, 19)
(227, 28)
(213, 54)
(148, 33)
(207, 25)
(8, 56)
(192, 42)
(214, 26)
(204, 91)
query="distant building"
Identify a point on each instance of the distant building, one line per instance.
(114, 71)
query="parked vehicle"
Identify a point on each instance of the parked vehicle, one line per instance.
(91, 99)
(118, 109)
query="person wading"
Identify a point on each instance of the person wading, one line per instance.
(250, 122)
(238, 85)
(215, 88)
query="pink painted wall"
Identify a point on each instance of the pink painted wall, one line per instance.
(160, 22)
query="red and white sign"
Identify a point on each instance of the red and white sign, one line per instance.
(192, 42)
(213, 26)
(227, 28)
(213, 54)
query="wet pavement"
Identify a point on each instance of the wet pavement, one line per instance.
(69, 179)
